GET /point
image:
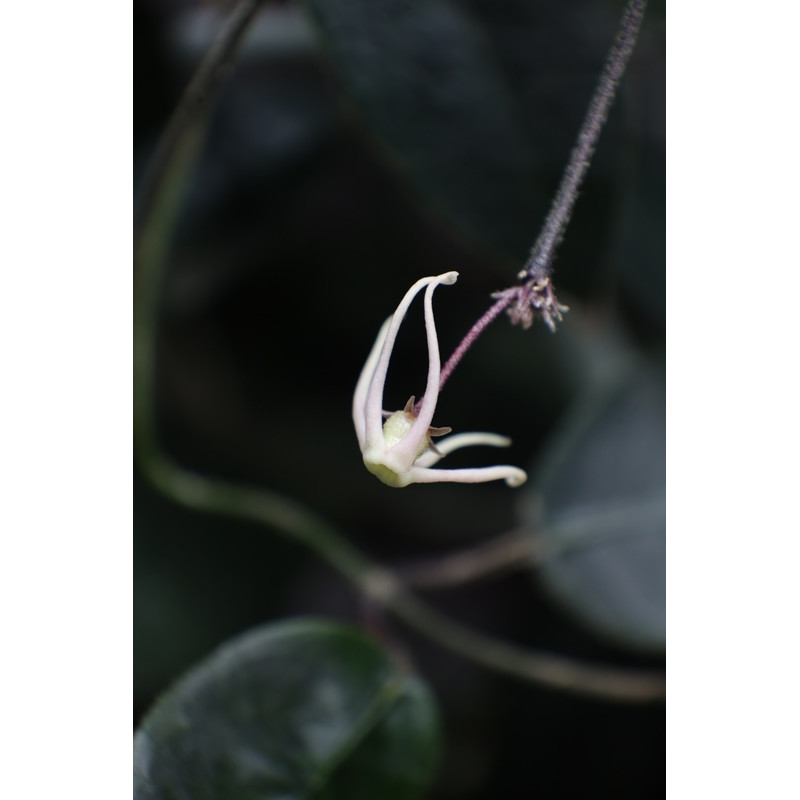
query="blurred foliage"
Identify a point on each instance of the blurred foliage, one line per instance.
(293, 710)
(353, 150)
(597, 511)
(427, 84)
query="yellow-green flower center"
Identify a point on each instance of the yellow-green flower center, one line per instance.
(396, 428)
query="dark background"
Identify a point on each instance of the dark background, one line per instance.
(315, 206)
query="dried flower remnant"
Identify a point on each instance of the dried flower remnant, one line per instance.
(534, 297)
(400, 450)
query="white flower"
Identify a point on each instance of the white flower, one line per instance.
(399, 451)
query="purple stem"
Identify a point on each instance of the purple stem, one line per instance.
(540, 262)
(474, 332)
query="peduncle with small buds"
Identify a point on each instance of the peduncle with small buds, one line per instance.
(400, 451)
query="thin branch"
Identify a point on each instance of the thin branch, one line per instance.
(539, 266)
(505, 553)
(160, 198)
(204, 85)
(386, 589)
(530, 665)
(165, 190)
(527, 548)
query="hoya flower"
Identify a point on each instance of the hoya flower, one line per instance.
(399, 451)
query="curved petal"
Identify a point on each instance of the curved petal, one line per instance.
(513, 476)
(360, 395)
(407, 448)
(374, 400)
(451, 443)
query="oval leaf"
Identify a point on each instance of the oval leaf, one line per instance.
(426, 81)
(295, 710)
(598, 513)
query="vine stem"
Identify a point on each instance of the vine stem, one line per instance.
(157, 210)
(203, 84)
(514, 550)
(384, 587)
(539, 266)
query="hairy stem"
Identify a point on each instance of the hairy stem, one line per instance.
(474, 332)
(540, 263)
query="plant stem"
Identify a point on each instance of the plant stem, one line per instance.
(194, 102)
(540, 263)
(534, 666)
(474, 332)
(487, 559)
(385, 588)
(159, 200)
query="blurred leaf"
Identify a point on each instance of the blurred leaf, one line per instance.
(293, 710)
(426, 80)
(550, 54)
(642, 238)
(598, 512)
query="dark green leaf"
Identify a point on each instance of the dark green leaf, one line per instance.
(643, 239)
(598, 512)
(426, 80)
(303, 709)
